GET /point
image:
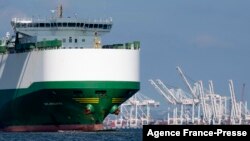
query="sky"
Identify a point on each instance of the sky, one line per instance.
(208, 39)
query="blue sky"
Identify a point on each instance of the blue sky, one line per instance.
(209, 39)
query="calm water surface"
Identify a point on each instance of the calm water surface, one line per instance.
(115, 135)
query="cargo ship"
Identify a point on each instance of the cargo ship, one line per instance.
(55, 74)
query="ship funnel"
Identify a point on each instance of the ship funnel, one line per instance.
(59, 11)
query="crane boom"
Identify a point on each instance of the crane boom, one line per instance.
(165, 88)
(169, 99)
(186, 81)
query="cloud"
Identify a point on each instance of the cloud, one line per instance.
(204, 41)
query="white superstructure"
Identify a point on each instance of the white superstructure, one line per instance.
(55, 74)
(80, 57)
(68, 65)
(73, 32)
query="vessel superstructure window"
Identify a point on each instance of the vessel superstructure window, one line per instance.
(100, 25)
(59, 24)
(35, 25)
(83, 40)
(90, 25)
(47, 24)
(75, 40)
(71, 24)
(53, 24)
(105, 26)
(87, 25)
(64, 24)
(29, 24)
(64, 40)
(70, 39)
(95, 25)
(41, 25)
(109, 26)
(23, 25)
(82, 24)
(78, 24)
(17, 24)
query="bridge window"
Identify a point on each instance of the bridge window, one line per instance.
(105, 26)
(53, 24)
(87, 25)
(90, 25)
(109, 26)
(41, 25)
(78, 24)
(59, 24)
(70, 39)
(95, 25)
(100, 25)
(71, 24)
(29, 24)
(17, 24)
(82, 24)
(47, 24)
(64, 24)
(23, 25)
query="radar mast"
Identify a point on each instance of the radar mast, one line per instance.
(59, 11)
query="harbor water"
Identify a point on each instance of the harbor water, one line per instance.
(111, 135)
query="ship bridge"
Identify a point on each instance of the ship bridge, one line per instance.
(26, 24)
(73, 32)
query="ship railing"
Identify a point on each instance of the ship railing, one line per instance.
(131, 45)
(49, 20)
(51, 44)
(22, 20)
(57, 44)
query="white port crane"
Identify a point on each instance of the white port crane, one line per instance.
(183, 104)
(188, 107)
(192, 90)
(167, 97)
(168, 91)
(135, 112)
(235, 107)
(179, 97)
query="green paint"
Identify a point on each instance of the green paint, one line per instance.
(56, 103)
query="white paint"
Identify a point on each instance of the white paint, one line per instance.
(22, 69)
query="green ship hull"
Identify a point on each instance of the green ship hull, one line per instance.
(70, 105)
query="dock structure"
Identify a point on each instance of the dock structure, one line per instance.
(134, 113)
(201, 105)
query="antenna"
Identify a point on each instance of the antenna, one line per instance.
(59, 11)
